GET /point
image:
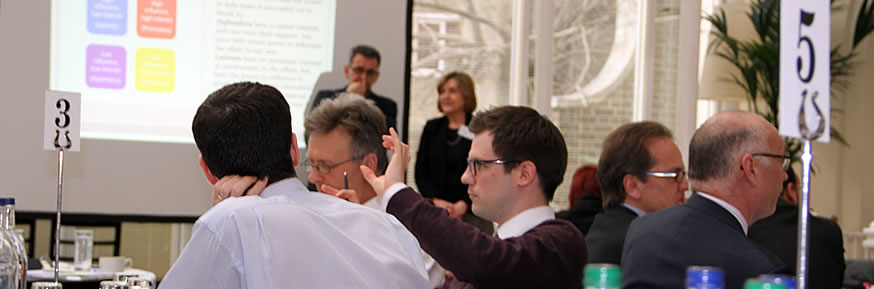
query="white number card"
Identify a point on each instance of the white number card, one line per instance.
(62, 121)
(804, 69)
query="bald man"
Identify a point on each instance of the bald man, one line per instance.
(736, 171)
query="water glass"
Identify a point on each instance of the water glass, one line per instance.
(113, 285)
(46, 285)
(84, 248)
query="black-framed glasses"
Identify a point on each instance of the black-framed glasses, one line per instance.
(324, 168)
(677, 176)
(787, 160)
(476, 165)
(370, 72)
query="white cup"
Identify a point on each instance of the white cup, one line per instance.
(115, 264)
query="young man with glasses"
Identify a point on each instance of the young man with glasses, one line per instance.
(736, 173)
(640, 171)
(361, 73)
(516, 161)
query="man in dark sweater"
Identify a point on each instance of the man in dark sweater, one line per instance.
(516, 161)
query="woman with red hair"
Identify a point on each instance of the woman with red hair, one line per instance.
(584, 198)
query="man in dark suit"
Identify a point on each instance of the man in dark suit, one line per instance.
(779, 234)
(640, 171)
(361, 72)
(736, 169)
(516, 161)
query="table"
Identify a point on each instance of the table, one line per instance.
(82, 279)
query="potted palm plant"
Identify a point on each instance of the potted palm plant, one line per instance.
(757, 60)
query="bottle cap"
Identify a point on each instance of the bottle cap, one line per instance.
(7, 201)
(758, 284)
(602, 276)
(787, 280)
(704, 277)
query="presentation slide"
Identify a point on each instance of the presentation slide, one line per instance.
(144, 66)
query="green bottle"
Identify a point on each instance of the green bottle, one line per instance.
(602, 276)
(759, 284)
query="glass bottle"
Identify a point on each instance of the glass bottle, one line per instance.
(10, 262)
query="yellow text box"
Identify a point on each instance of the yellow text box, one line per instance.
(155, 69)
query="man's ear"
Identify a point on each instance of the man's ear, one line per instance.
(749, 168)
(790, 193)
(346, 71)
(294, 151)
(206, 172)
(371, 161)
(632, 187)
(527, 173)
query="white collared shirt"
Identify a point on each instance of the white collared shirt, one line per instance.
(524, 221)
(292, 238)
(514, 227)
(639, 212)
(731, 209)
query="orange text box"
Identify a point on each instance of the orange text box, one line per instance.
(156, 18)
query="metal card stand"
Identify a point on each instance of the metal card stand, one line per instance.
(58, 216)
(804, 204)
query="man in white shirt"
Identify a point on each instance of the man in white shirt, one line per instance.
(346, 133)
(288, 237)
(736, 169)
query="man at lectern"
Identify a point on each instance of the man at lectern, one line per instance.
(361, 73)
(288, 237)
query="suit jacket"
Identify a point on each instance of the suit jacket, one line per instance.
(660, 246)
(550, 255)
(607, 235)
(779, 234)
(582, 214)
(388, 107)
(439, 164)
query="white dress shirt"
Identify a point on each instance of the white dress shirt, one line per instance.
(514, 227)
(435, 271)
(292, 238)
(731, 209)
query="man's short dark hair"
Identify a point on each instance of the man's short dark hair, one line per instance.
(624, 151)
(245, 129)
(522, 134)
(360, 117)
(366, 51)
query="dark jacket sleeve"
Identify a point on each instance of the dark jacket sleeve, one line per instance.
(551, 255)
(424, 167)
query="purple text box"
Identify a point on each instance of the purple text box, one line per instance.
(107, 17)
(105, 66)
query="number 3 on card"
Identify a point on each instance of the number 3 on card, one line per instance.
(61, 129)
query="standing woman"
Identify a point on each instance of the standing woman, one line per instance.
(442, 155)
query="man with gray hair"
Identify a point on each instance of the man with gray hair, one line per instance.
(345, 133)
(736, 170)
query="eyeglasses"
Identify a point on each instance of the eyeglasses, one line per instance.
(476, 165)
(787, 160)
(361, 70)
(324, 168)
(678, 176)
